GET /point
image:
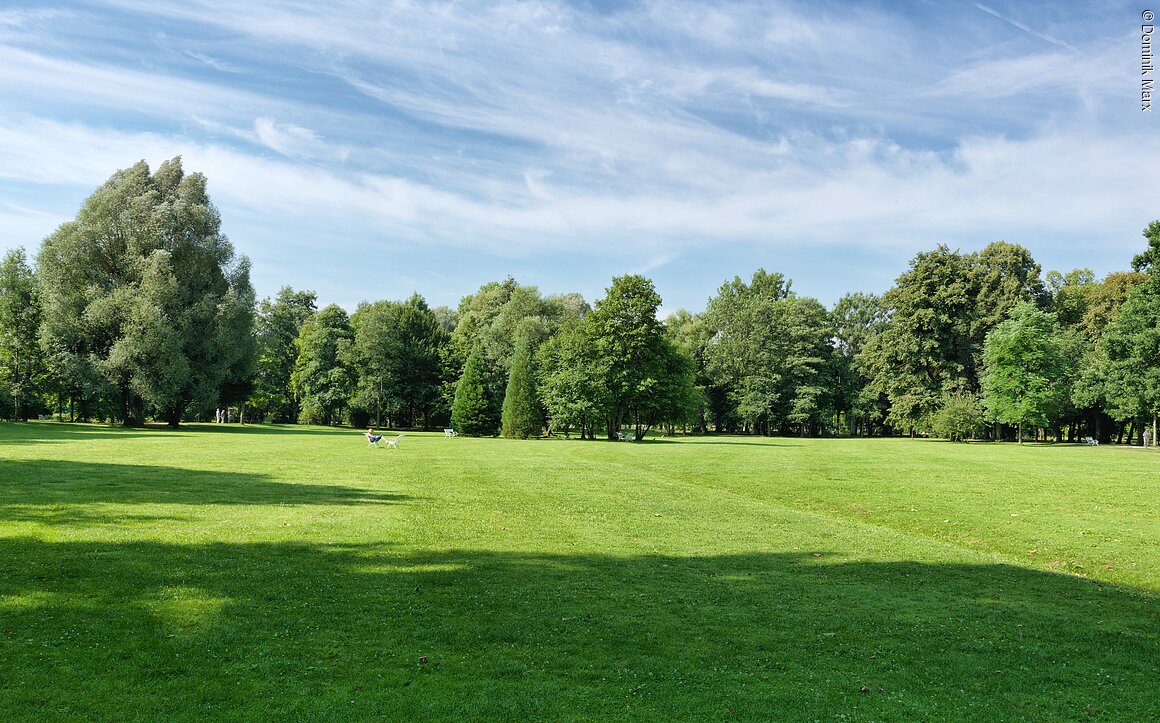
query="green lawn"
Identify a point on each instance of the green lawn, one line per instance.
(296, 574)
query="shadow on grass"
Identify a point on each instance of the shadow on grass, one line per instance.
(55, 491)
(91, 630)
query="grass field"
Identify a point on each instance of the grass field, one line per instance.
(296, 574)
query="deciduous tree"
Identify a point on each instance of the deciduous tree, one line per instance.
(21, 359)
(322, 376)
(1024, 369)
(144, 289)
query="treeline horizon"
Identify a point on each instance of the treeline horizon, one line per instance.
(140, 309)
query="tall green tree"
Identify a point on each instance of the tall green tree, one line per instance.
(571, 384)
(279, 322)
(925, 350)
(1132, 343)
(1003, 275)
(692, 336)
(521, 404)
(1024, 369)
(628, 343)
(471, 413)
(740, 357)
(488, 321)
(322, 376)
(144, 289)
(772, 351)
(21, 360)
(857, 318)
(397, 354)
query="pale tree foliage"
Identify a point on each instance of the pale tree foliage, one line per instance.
(145, 290)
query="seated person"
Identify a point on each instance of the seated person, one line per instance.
(372, 437)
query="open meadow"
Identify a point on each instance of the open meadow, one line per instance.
(294, 573)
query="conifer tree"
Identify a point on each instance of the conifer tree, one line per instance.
(521, 405)
(470, 414)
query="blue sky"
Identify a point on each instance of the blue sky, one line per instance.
(368, 149)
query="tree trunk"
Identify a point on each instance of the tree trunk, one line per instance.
(125, 421)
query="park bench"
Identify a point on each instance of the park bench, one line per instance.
(1092, 441)
(450, 433)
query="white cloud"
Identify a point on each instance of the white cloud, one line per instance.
(286, 138)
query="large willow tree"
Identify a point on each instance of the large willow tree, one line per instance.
(144, 290)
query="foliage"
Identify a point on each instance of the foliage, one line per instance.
(397, 357)
(21, 360)
(570, 385)
(488, 324)
(322, 378)
(472, 414)
(925, 350)
(961, 417)
(772, 352)
(1131, 344)
(691, 335)
(278, 325)
(143, 288)
(940, 312)
(644, 374)
(1024, 369)
(521, 406)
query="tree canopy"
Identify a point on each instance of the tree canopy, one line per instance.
(144, 291)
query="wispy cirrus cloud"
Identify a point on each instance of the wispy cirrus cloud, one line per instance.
(639, 134)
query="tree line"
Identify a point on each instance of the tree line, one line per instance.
(140, 309)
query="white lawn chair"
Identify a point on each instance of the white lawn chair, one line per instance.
(373, 439)
(450, 433)
(1092, 441)
(394, 442)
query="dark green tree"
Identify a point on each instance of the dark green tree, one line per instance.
(21, 359)
(397, 353)
(1003, 275)
(741, 358)
(772, 351)
(691, 335)
(857, 318)
(571, 385)
(522, 417)
(925, 349)
(471, 413)
(278, 325)
(1131, 343)
(322, 377)
(628, 344)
